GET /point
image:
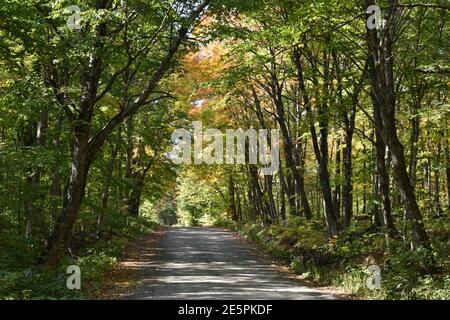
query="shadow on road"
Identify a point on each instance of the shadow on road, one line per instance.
(207, 263)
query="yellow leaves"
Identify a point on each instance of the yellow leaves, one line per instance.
(149, 151)
(109, 105)
(146, 151)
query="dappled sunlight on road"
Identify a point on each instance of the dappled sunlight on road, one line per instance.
(207, 263)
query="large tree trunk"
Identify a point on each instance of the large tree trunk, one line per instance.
(239, 204)
(383, 90)
(383, 180)
(128, 159)
(251, 199)
(32, 181)
(330, 217)
(73, 195)
(81, 156)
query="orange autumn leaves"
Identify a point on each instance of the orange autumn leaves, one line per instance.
(197, 83)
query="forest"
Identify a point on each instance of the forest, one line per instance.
(92, 92)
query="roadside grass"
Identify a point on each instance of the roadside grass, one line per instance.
(21, 278)
(342, 262)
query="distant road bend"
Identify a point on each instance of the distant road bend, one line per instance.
(207, 263)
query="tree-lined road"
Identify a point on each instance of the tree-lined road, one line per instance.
(206, 263)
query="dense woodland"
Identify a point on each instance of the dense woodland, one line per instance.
(86, 117)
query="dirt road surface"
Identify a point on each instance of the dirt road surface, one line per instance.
(208, 263)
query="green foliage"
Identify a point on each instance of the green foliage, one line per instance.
(198, 203)
(32, 283)
(95, 259)
(237, 61)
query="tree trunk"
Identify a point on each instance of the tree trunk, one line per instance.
(337, 189)
(107, 184)
(321, 151)
(73, 195)
(55, 188)
(268, 190)
(447, 170)
(37, 138)
(375, 210)
(282, 193)
(436, 197)
(135, 195)
(307, 213)
(383, 90)
(286, 188)
(414, 139)
(383, 180)
(231, 192)
(347, 188)
(257, 194)
(349, 121)
(290, 157)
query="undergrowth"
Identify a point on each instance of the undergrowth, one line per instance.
(343, 261)
(22, 278)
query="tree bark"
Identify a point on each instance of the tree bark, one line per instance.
(320, 150)
(447, 170)
(134, 200)
(231, 192)
(107, 184)
(383, 180)
(277, 97)
(73, 195)
(55, 188)
(347, 188)
(337, 188)
(436, 196)
(349, 122)
(383, 90)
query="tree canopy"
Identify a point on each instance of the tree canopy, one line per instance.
(91, 93)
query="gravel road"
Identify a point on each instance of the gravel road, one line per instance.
(207, 263)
